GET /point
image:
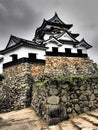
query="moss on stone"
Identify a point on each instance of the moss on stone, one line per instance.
(73, 80)
(38, 83)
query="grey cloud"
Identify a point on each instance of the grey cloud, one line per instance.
(93, 53)
(18, 13)
(3, 9)
(22, 17)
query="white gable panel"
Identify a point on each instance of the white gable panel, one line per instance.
(65, 36)
(11, 43)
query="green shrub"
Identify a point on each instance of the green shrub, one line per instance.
(73, 80)
(95, 66)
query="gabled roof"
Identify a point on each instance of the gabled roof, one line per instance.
(53, 39)
(18, 42)
(75, 35)
(60, 42)
(84, 43)
(55, 19)
(70, 35)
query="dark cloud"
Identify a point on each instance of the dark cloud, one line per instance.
(22, 17)
(16, 17)
(18, 14)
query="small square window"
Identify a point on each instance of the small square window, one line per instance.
(79, 51)
(68, 51)
(14, 57)
(32, 56)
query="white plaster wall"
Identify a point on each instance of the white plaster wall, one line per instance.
(62, 48)
(50, 45)
(23, 52)
(46, 37)
(84, 51)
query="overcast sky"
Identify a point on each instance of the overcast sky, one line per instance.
(22, 17)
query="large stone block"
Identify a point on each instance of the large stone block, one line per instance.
(53, 100)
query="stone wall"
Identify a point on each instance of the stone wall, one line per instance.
(53, 101)
(58, 66)
(37, 70)
(15, 89)
(60, 99)
(54, 66)
(16, 70)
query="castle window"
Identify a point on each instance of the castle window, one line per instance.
(14, 57)
(55, 50)
(79, 51)
(68, 51)
(32, 56)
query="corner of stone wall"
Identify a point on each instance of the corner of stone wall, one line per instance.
(16, 90)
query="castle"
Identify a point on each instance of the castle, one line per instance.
(52, 39)
(54, 52)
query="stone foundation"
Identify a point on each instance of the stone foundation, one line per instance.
(57, 101)
(54, 67)
(37, 70)
(58, 66)
(15, 89)
(53, 101)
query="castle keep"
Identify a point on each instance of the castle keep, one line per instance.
(54, 52)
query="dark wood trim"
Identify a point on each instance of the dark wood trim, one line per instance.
(23, 60)
(67, 54)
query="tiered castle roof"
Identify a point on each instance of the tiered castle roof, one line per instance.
(55, 29)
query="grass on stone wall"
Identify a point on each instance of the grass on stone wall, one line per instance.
(73, 80)
(95, 65)
(41, 83)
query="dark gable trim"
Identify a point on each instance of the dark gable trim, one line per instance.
(85, 44)
(23, 60)
(23, 44)
(58, 24)
(75, 35)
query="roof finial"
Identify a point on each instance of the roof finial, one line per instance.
(56, 14)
